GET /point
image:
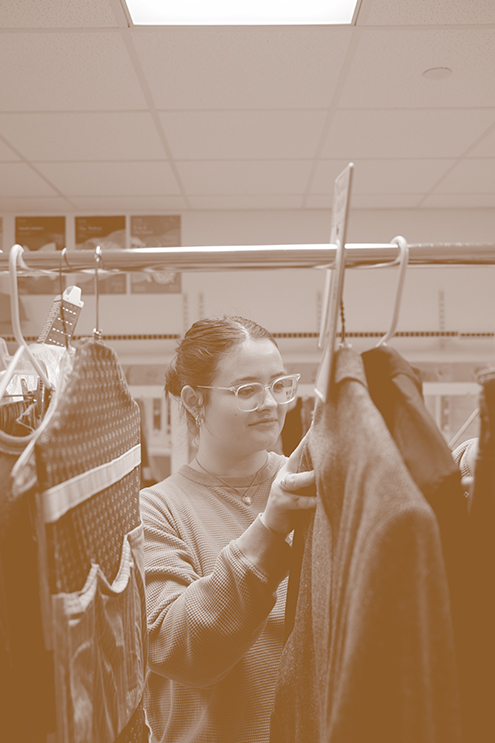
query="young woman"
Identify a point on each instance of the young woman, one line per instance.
(216, 548)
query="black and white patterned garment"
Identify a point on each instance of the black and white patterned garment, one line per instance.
(87, 461)
(95, 424)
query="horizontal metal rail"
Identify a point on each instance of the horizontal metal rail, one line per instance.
(250, 257)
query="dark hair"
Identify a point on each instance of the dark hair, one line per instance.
(203, 346)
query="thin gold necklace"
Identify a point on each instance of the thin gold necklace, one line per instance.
(245, 497)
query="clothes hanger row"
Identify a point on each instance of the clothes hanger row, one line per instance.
(335, 306)
(23, 350)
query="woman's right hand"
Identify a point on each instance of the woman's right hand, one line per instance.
(291, 491)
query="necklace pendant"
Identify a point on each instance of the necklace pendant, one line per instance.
(246, 499)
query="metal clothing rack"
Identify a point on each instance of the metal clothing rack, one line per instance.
(250, 257)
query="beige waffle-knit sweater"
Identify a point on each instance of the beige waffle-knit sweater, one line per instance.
(215, 591)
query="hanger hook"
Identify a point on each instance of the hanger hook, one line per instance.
(403, 264)
(97, 334)
(65, 259)
(15, 258)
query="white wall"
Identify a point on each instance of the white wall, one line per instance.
(313, 226)
(289, 301)
(435, 299)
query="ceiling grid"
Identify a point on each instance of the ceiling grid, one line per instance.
(96, 115)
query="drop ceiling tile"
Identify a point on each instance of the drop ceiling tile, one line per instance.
(486, 146)
(392, 13)
(111, 178)
(243, 67)
(247, 178)
(34, 205)
(459, 201)
(388, 65)
(67, 72)
(475, 176)
(238, 135)
(367, 201)
(402, 133)
(6, 153)
(326, 172)
(385, 200)
(18, 179)
(319, 201)
(56, 14)
(128, 205)
(246, 202)
(383, 176)
(83, 136)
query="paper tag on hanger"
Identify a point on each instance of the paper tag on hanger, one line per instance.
(62, 318)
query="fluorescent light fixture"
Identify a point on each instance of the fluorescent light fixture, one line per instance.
(241, 12)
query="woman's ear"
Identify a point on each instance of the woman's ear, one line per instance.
(192, 400)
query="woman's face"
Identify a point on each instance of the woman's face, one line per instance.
(234, 429)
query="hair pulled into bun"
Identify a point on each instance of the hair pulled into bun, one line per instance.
(198, 354)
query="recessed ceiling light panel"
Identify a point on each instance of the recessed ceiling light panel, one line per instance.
(241, 12)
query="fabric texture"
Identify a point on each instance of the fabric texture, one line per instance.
(95, 422)
(215, 616)
(26, 668)
(100, 635)
(461, 455)
(86, 511)
(480, 657)
(371, 655)
(396, 389)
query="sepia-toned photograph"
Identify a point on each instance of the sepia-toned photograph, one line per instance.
(247, 371)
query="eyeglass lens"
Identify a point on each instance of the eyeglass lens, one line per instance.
(251, 396)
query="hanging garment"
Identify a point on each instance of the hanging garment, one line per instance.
(462, 455)
(396, 389)
(27, 711)
(18, 418)
(292, 432)
(480, 660)
(87, 475)
(371, 654)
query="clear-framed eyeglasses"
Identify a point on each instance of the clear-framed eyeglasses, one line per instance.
(251, 396)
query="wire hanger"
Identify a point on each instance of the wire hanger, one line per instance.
(453, 441)
(23, 348)
(403, 264)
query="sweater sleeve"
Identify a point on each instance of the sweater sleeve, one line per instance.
(201, 626)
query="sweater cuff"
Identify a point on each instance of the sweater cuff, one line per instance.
(266, 550)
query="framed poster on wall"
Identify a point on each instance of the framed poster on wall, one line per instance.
(110, 234)
(45, 234)
(155, 231)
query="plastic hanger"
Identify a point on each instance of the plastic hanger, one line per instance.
(97, 333)
(325, 370)
(403, 264)
(4, 354)
(334, 286)
(23, 348)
